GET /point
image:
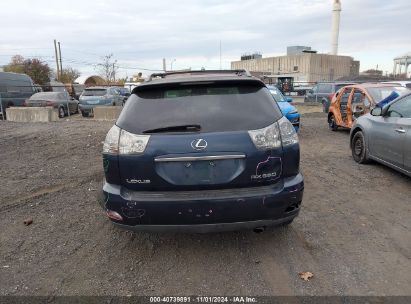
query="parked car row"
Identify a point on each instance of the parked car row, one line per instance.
(19, 90)
(379, 116)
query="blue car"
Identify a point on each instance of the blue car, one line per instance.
(286, 108)
(201, 151)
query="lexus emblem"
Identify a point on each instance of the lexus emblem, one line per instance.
(199, 144)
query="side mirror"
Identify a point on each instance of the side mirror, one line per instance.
(377, 111)
(289, 99)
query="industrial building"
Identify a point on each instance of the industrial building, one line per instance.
(303, 67)
(302, 64)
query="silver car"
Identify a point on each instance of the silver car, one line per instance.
(384, 135)
(58, 100)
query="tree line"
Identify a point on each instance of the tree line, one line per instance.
(38, 70)
(41, 73)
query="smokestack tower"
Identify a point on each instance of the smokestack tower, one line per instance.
(335, 29)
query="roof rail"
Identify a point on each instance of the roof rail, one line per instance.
(240, 72)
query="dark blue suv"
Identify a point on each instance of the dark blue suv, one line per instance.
(201, 151)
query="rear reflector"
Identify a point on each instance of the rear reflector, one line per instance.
(114, 215)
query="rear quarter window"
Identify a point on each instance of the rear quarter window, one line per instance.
(215, 108)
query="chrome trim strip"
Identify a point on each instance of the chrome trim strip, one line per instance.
(198, 158)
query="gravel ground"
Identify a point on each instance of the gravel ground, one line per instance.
(353, 232)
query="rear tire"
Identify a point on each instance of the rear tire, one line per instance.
(84, 114)
(325, 109)
(332, 123)
(287, 222)
(359, 148)
(61, 112)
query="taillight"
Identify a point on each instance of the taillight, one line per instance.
(266, 138)
(111, 143)
(275, 135)
(288, 134)
(49, 104)
(331, 96)
(122, 142)
(25, 103)
(132, 143)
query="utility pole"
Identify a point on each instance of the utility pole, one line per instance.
(220, 54)
(57, 60)
(61, 65)
(114, 74)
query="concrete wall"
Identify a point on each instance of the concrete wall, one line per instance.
(31, 114)
(107, 113)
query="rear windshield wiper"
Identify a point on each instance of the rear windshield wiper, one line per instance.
(181, 128)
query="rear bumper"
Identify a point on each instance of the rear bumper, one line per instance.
(208, 228)
(205, 210)
(89, 108)
(86, 108)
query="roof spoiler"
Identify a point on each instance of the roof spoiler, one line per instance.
(240, 72)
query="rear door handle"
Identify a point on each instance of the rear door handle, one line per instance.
(400, 130)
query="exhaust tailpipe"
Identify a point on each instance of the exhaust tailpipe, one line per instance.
(259, 229)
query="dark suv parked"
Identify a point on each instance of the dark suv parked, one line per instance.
(14, 90)
(323, 92)
(201, 151)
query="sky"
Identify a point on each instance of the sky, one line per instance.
(187, 33)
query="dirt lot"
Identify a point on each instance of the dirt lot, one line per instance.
(353, 232)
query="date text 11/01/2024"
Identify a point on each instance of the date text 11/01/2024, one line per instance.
(203, 299)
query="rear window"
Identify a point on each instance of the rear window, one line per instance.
(325, 88)
(94, 92)
(277, 95)
(215, 108)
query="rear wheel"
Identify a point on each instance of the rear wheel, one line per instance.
(325, 110)
(84, 114)
(287, 222)
(61, 112)
(359, 148)
(332, 124)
